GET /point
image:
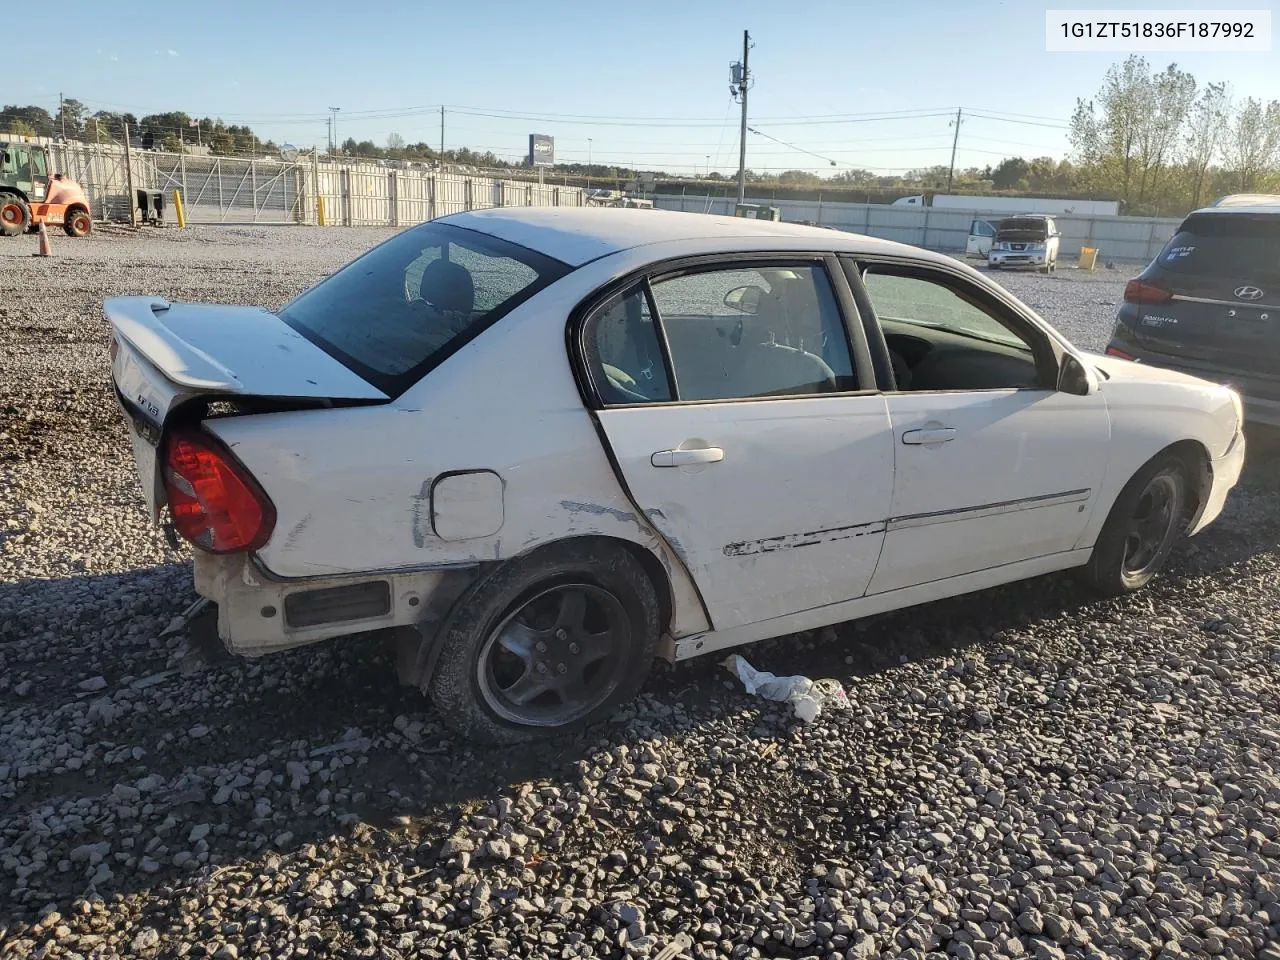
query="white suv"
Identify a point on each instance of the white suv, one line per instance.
(1025, 241)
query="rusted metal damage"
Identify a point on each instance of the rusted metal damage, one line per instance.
(793, 541)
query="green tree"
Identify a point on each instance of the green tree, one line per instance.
(1166, 100)
(1009, 173)
(1252, 146)
(1207, 121)
(36, 118)
(70, 117)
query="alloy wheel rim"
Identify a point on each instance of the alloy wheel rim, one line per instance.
(1150, 525)
(556, 658)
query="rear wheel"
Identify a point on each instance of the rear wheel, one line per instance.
(78, 222)
(1141, 529)
(15, 215)
(546, 644)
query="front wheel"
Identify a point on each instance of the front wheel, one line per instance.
(77, 223)
(15, 215)
(1141, 529)
(546, 644)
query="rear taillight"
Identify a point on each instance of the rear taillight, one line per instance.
(213, 501)
(1113, 352)
(1139, 291)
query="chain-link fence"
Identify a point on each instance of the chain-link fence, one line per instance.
(237, 190)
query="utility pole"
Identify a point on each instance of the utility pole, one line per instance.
(741, 80)
(62, 112)
(588, 163)
(333, 129)
(442, 136)
(954, 141)
(128, 173)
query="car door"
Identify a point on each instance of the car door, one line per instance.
(993, 463)
(731, 403)
(979, 241)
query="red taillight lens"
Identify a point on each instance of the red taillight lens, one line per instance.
(1113, 352)
(214, 503)
(1137, 291)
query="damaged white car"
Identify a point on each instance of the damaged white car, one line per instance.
(549, 445)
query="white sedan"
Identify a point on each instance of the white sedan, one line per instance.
(548, 445)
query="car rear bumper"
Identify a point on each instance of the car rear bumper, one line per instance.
(1261, 395)
(260, 614)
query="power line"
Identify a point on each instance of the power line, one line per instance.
(793, 146)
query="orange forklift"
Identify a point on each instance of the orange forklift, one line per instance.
(30, 195)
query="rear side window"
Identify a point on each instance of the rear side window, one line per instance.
(1236, 245)
(405, 306)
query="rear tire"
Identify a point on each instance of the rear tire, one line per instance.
(1141, 529)
(15, 215)
(78, 223)
(520, 656)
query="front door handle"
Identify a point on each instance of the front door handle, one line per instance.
(931, 435)
(682, 458)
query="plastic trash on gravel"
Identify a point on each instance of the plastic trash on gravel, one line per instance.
(807, 697)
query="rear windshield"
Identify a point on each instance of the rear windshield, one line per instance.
(1017, 229)
(402, 308)
(1237, 245)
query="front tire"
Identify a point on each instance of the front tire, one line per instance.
(78, 222)
(546, 644)
(1141, 529)
(15, 215)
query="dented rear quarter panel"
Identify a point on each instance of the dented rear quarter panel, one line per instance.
(353, 487)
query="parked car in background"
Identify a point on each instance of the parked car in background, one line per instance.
(549, 444)
(982, 234)
(1209, 304)
(1025, 241)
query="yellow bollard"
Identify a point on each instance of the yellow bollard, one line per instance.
(177, 208)
(320, 210)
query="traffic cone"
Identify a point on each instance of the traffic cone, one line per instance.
(44, 249)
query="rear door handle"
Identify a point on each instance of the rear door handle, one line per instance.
(932, 435)
(681, 458)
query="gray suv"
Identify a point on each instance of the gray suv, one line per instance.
(1209, 304)
(1030, 240)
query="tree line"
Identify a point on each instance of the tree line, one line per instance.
(1163, 141)
(1158, 142)
(159, 131)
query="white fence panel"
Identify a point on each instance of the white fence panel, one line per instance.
(1118, 238)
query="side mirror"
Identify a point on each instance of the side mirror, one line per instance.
(746, 299)
(1073, 378)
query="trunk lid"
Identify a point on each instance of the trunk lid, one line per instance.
(165, 355)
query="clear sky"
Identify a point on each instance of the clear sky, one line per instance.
(641, 84)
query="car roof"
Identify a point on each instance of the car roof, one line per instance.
(1270, 202)
(577, 235)
(1265, 209)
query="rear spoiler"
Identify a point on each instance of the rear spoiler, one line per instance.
(137, 321)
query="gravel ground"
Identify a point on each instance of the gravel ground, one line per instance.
(1026, 772)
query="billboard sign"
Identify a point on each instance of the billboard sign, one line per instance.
(542, 150)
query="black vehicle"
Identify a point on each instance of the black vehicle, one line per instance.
(1209, 304)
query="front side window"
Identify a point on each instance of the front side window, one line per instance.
(38, 163)
(406, 305)
(749, 332)
(943, 336)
